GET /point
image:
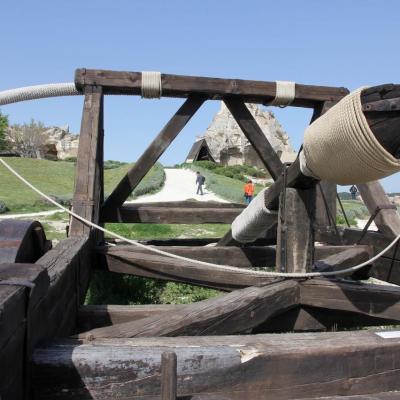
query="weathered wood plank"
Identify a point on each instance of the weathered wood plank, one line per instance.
(139, 262)
(121, 82)
(168, 375)
(255, 135)
(286, 366)
(295, 244)
(157, 147)
(346, 259)
(175, 213)
(96, 316)
(232, 313)
(89, 168)
(375, 300)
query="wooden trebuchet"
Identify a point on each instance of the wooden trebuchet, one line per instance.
(236, 312)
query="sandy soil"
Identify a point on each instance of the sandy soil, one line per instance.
(180, 184)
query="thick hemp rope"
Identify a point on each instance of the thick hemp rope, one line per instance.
(253, 221)
(38, 92)
(285, 93)
(340, 146)
(151, 85)
(216, 266)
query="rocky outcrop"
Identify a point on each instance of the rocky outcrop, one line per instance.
(61, 142)
(229, 146)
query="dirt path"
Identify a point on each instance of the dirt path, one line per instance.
(179, 185)
(35, 214)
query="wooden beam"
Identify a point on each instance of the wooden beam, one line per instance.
(121, 82)
(346, 259)
(157, 147)
(97, 316)
(266, 366)
(150, 265)
(179, 212)
(168, 375)
(374, 300)
(295, 245)
(255, 135)
(387, 220)
(89, 167)
(231, 313)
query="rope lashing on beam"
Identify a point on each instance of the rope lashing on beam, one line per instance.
(38, 92)
(285, 93)
(218, 267)
(340, 146)
(254, 220)
(151, 85)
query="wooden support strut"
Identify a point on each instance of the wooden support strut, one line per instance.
(89, 169)
(133, 177)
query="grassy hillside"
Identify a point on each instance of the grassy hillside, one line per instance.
(228, 188)
(57, 178)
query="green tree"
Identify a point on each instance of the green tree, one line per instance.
(3, 127)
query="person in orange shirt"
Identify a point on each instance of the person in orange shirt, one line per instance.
(248, 191)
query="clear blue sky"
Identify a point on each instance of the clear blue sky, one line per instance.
(340, 43)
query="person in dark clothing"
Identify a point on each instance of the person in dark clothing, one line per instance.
(200, 182)
(353, 191)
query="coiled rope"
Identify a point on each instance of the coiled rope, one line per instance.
(216, 266)
(285, 93)
(151, 85)
(38, 92)
(340, 146)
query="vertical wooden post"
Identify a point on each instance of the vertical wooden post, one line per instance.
(89, 169)
(295, 242)
(168, 375)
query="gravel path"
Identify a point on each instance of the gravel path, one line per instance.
(180, 184)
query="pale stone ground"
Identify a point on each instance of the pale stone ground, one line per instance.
(180, 184)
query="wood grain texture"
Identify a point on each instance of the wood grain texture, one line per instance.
(122, 82)
(231, 313)
(89, 168)
(272, 367)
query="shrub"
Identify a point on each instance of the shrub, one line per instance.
(64, 200)
(3, 207)
(111, 164)
(71, 159)
(152, 183)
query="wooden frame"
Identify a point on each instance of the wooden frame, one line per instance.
(120, 349)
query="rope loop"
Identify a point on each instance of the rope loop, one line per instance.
(151, 85)
(285, 94)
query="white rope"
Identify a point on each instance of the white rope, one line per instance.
(38, 92)
(254, 220)
(151, 85)
(216, 266)
(285, 93)
(340, 146)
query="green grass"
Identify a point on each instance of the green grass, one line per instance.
(228, 188)
(56, 178)
(354, 210)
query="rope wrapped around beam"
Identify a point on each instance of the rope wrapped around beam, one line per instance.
(151, 85)
(340, 146)
(254, 220)
(285, 93)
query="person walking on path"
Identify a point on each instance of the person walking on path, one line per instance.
(353, 191)
(200, 182)
(248, 191)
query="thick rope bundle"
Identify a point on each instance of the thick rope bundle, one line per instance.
(151, 85)
(340, 147)
(285, 93)
(38, 92)
(254, 220)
